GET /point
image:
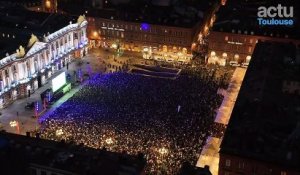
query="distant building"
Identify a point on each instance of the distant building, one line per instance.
(236, 32)
(35, 156)
(33, 46)
(136, 26)
(263, 134)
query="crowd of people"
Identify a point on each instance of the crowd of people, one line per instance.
(166, 120)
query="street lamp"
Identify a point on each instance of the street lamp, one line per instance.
(145, 52)
(109, 141)
(59, 132)
(95, 34)
(15, 124)
(162, 151)
(114, 46)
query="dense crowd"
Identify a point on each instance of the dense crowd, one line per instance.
(166, 120)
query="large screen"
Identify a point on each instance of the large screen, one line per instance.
(58, 81)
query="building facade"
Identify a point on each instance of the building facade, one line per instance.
(136, 36)
(235, 165)
(265, 113)
(237, 46)
(26, 70)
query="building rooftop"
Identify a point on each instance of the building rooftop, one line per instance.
(240, 16)
(23, 152)
(17, 24)
(188, 169)
(178, 16)
(265, 122)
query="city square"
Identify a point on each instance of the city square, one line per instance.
(131, 87)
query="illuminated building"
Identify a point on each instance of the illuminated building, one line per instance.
(24, 70)
(235, 33)
(136, 26)
(136, 36)
(263, 136)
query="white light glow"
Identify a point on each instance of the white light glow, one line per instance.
(58, 81)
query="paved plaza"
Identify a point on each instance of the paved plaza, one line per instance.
(96, 61)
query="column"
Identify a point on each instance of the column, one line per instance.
(72, 39)
(31, 61)
(46, 57)
(50, 55)
(58, 46)
(84, 34)
(54, 51)
(26, 73)
(20, 71)
(3, 78)
(10, 74)
(68, 41)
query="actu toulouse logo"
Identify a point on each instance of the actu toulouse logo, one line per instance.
(280, 15)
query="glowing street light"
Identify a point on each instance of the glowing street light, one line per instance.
(95, 34)
(163, 151)
(114, 46)
(109, 141)
(59, 132)
(146, 49)
(13, 123)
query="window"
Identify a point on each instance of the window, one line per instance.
(241, 165)
(226, 38)
(251, 40)
(250, 49)
(226, 173)
(283, 173)
(227, 163)
(32, 171)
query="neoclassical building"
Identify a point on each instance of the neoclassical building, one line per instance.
(28, 69)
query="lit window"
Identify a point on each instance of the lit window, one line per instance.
(283, 173)
(226, 38)
(251, 41)
(228, 162)
(241, 165)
